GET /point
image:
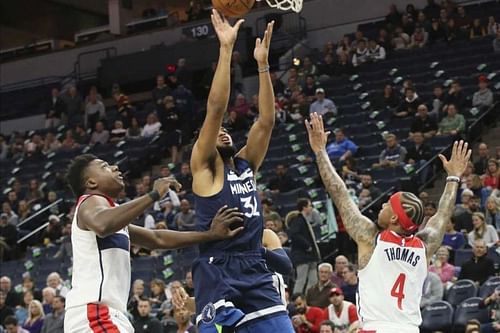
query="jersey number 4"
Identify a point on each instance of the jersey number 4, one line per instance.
(250, 205)
(398, 290)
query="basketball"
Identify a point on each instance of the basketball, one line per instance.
(233, 8)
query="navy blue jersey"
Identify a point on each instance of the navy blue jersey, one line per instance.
(239, 191)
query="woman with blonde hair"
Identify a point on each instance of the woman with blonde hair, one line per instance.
(492, 215)
(35, 319)
(482, 231)
(442, 267)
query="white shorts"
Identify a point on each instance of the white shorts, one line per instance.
(383, 327)
(96, 318)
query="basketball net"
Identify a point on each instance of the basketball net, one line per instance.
(295, 5)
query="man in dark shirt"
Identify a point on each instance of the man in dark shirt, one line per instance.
(5, 310)
(55, 108)
(145, 323)
(351, 283)
(479, 268)
(409, 104)
(418, 154)
(8, 239)
(423, 123)
(456, 97)
(11, 297)
(319, 294)
(481, 164)
(160, 92)
(282, 182)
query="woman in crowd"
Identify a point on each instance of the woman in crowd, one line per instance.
(34, 322)
(135, 130)
(482, 231)
(492, 216)
(22, 310)
(158, 295)
(442, 267)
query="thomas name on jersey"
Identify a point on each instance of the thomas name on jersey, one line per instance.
(403, 254)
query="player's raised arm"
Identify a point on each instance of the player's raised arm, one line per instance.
(205, 147)
(260, 133)
(359, 227)
(434, 231)
(97, 215)
(168, 239)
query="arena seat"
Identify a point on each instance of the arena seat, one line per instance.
(460, 291)
(437, 316)
(489, 286)
(469, 309)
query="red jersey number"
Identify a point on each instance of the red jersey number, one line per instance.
(398, 290)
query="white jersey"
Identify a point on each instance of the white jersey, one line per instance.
(280, 286)
(341, 321)
(101, 266)
(390, 286)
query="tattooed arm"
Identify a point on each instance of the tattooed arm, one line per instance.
(434, 231)
(359, 227)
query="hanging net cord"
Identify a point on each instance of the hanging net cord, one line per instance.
(295, 5)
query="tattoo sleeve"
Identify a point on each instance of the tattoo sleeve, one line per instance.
(359, 227)
(435, 229)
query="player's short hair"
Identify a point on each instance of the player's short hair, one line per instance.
(413, 207)
(301, 203)
(76, 171)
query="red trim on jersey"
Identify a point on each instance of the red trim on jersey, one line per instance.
(410, 241)
(84, 197)
(99, 320)
(404, 220)
(352, 313)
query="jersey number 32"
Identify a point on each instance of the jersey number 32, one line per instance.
(250, 205)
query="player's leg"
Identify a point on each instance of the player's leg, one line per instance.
(280, 323)
(96, 318)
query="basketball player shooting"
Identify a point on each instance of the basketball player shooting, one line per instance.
(233, 288)
(392, 262)
(101, 237)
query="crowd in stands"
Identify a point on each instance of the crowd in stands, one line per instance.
(321, 299)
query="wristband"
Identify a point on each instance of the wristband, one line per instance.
(263, 70)
(154, 195)
(453, 179)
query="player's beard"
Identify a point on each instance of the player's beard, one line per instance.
(226, 152)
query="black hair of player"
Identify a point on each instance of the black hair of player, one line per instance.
(76, 171)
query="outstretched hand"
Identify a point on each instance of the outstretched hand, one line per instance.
(459, 159)
(261, 51)
(225, 32)
(222, 221)
(316, 131)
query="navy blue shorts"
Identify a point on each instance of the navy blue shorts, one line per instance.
(236, 290)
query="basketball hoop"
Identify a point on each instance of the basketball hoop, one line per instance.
(295, 5)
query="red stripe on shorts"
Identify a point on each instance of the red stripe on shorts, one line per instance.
(99, 320)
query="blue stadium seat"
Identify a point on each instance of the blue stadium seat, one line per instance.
(437, 316)
(462, 255)
(460, 291)
(489, 286)
(468, 310)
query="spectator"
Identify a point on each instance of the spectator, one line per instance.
(73, 102)
(462, 21)
(188, 284)
(185, 178)
(185, 219)
(477, 30)
(479, 268)
(160, 91)
(8, 238)
(432, 290)
(367, 184)
(48, 295)
(481, 164)
(145, 322)
(452, 32)
(423, 123)
(437, 102)
(308, 68)
(152, 126)
(94, 110)
(496, 42)
(327, 326)
(341, 148)
(54, 280)
(350, 286)
(361, 54)
(318, 295)
(118, 133)
(419, 153)
(65, 248)
(34, 194)
(278, 85)
(483, 98)
(442, 267)
(393, 19)
(80, 137)
(53, 231)
(5, 310)
(337, 276)
(100, 134)
(182, 318)
(492, 27)
(342, 313)
(34, 146)
(408, 24)
(344, 66)
(482, 231)
(429, 210)
(135, 297)
(491, 301)
(419, 38)
(22, 311)
(455, 96)
(282, 182)
(453, 124)
(122, 106)
(432, 9)
(463, 215)
(453, 240)
(491, 177)
(492, 216)
(408, 106)
(384, 40)
(305, 251)
(235, 122)
(376, 52)
(327, 67)
(400, 39)
(4, 148)
(135, 130)
(437, 32)
(423, 22)
(393, 155)
(358, 38)
(308, 318)
(322, 105)
(54, 321)
(50, 144)
(389, 98)
(55, 109)
(11, 325)
(309, 89)
(158, 295)
(35, 319)
(11, 297)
